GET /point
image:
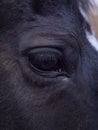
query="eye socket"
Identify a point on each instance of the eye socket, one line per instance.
(47, 61)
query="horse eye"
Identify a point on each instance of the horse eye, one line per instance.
(46, 61)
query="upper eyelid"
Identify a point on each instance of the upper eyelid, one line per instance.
(26, 51)
(41, 40)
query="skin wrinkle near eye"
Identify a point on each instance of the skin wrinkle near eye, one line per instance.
(46, 29)
(38, 41)
(33, 40)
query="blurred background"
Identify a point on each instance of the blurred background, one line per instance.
(94, 22)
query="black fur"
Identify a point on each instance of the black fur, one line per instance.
(34, 99)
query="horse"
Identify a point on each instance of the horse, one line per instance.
(48, 65)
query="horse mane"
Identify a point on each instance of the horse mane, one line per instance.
(88, 5)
